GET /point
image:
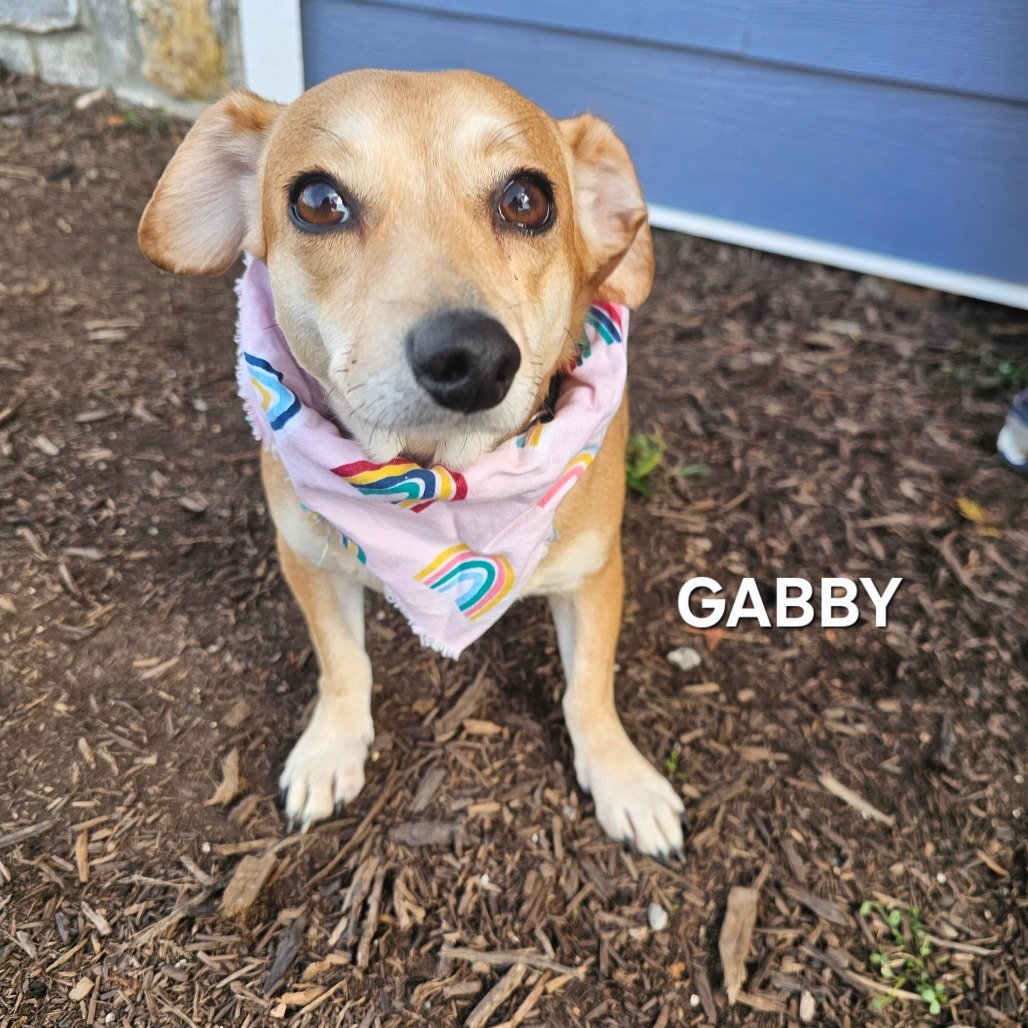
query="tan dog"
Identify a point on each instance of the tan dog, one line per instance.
(382, 202)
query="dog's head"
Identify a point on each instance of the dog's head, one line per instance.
(433, 241)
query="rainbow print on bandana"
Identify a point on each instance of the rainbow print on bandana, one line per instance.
(531, 437)
(480, 580)
(352, 547)
(602, 324)
(572, 473)
(278, 401)
(404, 483)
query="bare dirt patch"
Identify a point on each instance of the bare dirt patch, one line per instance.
(148, 649)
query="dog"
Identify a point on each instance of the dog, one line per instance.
(427, 248)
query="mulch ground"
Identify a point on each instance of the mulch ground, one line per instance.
(155, 671)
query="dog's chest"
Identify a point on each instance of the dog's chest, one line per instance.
(312, 538)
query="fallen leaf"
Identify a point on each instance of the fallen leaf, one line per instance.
(713, 637)
(971, 510)
(230, 784)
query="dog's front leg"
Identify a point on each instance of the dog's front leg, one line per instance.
(634, 803)
(326, 766)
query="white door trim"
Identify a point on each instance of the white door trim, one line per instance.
(996, 290)
(272, 44)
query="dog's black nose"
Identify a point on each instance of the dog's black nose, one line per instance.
(464, 360)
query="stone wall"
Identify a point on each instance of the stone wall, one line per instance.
(176, 54)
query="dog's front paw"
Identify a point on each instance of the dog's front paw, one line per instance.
(326, 768)
(635, 804)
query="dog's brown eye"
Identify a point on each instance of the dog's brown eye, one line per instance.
(526, 202)
(318, 204)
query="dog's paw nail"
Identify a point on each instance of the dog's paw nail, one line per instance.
(626, 844)
(339, 808)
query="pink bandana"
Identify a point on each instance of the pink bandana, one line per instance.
(453, 550)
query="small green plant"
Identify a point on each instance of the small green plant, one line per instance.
(690, 471)
(645, 452)
(909, 962)
(986, 377)
(673, 761)
(1013, 374)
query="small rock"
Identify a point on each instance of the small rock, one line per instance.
(685, 657)
(657, 916)
(808, 1007)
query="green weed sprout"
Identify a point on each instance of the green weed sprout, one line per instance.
(909, 962)
(645, 452)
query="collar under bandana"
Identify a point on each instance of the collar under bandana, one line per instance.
(452, 550)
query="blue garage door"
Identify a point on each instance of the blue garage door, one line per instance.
(893, 126)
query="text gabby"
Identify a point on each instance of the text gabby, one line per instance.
(838, 605)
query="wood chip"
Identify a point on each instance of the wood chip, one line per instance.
(474, 726)
(506, 958)
(21, 834)
(229, 788)
(238, 714)
(238, 849)
(705, 992)
(82, 856)
(734, 941)
(434, 778)
(992, 865)
(99, 922)
(362, 830)
(766, 1004)
(83, 987)
(195, 503)
(465, 707)
(318, 1000)
(371, 921)
(529, 1002)
(826, 908)
(346, 930)
(302, 998)
(496, 996)
(25, 941)
(158, 669)
(856, 801)
(425, 833)
(288, 947)
(247, 881)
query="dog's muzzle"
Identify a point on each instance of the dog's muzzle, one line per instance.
(464, 360)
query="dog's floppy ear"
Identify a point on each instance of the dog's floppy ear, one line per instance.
(205, 209)
(611, 212)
